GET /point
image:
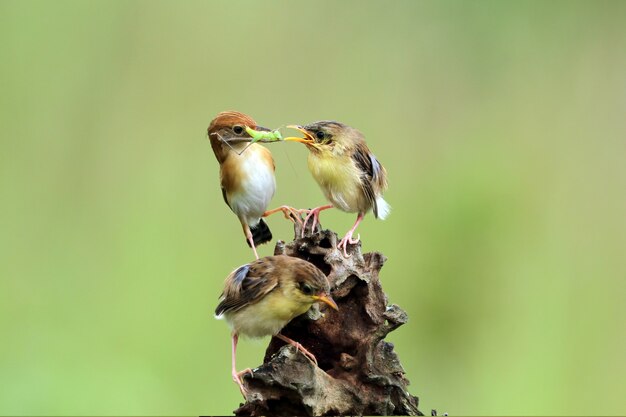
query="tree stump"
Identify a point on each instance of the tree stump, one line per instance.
(359, 373)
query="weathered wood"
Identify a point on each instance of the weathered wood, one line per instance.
(359, 373)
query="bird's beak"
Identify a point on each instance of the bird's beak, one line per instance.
(262, 129)
(307, 139)
(326, 299)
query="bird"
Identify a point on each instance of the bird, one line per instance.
(246, 174)
(346, 170)
(261, 297)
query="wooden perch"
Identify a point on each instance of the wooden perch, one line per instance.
(359, 373)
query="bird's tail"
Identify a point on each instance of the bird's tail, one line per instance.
(382, 208)
(260, 233)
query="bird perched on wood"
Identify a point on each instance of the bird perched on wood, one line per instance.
(246, 173)
(348, 173)
(261, 297)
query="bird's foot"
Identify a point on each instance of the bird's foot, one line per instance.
(315, 213)
(290, 213)
(305, 352)
(299, 348)
(237, 378)
(347, 239)
(248, 371)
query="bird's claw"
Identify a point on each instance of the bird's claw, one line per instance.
(237, 378)
(290, 213)
(306, 353)
(347, 239)
(306, 220)
(299, 348)
(315, 213)
(248, 371)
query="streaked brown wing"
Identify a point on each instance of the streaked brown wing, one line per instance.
(246, 285)
(373, 174)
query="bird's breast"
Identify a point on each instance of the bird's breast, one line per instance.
(340, 180)
(248, 180)
(267, 316)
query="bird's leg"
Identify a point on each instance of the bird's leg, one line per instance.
(348, 237)
(298, 347)
(315, 213)
(290, 213)
(237, 375)
(248, 233)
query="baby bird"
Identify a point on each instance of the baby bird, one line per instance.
(348, 173)
(246, 173)
(261, 297)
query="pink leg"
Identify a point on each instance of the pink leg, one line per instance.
(248, 233)
(315, 213)
(290, 213)
(348, 237)
(237, 375)
(299, 347)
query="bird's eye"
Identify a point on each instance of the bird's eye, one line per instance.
(320, 135)
(238, 129)
(306, 289)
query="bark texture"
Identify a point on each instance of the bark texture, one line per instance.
(358, 372)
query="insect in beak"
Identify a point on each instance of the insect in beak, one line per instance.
(326, 299)
(263, 134)
(307, 139)
(261, 129)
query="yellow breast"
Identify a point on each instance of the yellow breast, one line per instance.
(268, 316)
(339, 178)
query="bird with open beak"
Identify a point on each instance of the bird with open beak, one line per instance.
(246, 173)
(261, 297)
(348, 173)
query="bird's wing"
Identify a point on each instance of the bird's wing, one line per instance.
(246, 285)
(225, 197)
(372, 174)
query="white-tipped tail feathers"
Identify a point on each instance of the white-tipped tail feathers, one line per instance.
(383, 208)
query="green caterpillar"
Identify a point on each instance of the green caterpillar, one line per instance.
(273, 136)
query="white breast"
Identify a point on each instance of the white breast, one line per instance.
(257, 187)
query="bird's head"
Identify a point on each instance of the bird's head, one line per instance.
(309, 285)
(228, 131)
(327, 135)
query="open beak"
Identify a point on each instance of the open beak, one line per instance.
(308, 138)
(326, 299)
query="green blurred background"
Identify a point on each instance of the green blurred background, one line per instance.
(502, 126)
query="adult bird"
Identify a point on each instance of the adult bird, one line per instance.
(346, 170)
(246, 173)
(261, 297)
